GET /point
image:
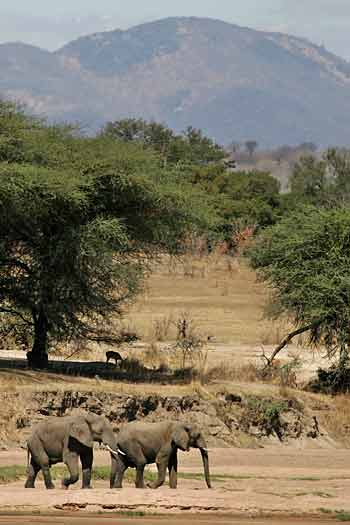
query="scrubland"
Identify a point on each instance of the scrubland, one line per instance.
(222, 305)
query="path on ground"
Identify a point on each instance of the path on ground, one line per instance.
(274, 481)
(151, 520)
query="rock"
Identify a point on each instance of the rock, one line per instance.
(223, 420)
(23, 422)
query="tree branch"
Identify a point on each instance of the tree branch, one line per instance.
(17, 314)
(13, 262)
(104, 337)
(288, 338)
(107, 338)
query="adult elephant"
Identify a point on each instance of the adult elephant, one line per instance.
(67, 439)
(141, 443)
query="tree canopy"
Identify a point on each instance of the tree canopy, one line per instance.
(305, 259)
(191, 146)
(80, 217)
(321, 182)
(242, 198)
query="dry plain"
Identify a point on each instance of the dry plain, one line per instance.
(291, 483)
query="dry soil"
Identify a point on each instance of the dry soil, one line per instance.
(274, 481)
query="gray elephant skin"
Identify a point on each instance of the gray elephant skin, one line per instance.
(141, 443)
(67, 439)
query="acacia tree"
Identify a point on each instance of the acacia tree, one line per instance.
(191, 146)
(62, 267)
(309, 183)
(305, 259)
(69, 259)
(80, 219)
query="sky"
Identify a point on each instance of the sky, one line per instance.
(50, 23)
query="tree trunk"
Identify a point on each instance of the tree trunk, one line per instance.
(38, 358)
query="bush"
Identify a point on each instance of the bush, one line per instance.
(265, 414)
(335, 380)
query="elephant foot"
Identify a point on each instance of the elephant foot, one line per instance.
(50, 487)
(29, 485)
(63, 485)
(86, 487)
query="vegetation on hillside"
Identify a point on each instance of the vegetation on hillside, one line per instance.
(81, 218)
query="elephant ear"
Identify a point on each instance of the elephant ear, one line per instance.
(80, 431)
(181, 438)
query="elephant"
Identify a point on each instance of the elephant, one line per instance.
(66, 439)
(140, 443)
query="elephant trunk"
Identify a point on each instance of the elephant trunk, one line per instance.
(205, 460)
(110, 443)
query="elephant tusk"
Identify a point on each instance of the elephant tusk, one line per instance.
(114, 452)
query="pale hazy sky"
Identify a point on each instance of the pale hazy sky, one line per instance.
(51, 23)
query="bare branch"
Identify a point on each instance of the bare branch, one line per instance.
(288, 338)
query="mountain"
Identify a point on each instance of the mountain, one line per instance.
(233, 82)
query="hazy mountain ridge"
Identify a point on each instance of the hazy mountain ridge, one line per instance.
(233, 82)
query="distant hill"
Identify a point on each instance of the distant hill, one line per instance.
(233, 82)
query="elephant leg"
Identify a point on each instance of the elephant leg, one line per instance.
(47, 477)
(71, 460)
(117, 473)
(45, 467)
(39, 460)
(162, 463)
(33, 470)
(86, 464)
(136, 458)
(139, 482)
(172, 466)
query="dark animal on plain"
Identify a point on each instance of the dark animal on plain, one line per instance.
(123, 337)
(113, 355)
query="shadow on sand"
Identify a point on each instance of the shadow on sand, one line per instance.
(130, 370)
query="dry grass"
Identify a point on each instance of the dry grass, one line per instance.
(337, 419)
(272, 332)
(153, 356)
(10, 413)
(219, 292)
(247, 372)
(163, 328)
